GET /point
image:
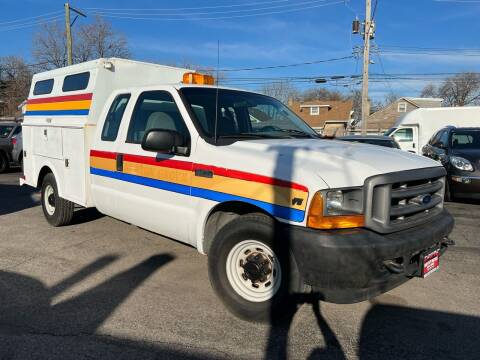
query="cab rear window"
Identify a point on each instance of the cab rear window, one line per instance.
(76, 82)
(43, 87)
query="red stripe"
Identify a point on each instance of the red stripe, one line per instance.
(174, 164)
(186, 165)
(60, 98)
(103, 154)
(241, 175)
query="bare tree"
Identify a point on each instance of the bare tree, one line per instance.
(459, 90)
(282, 90)
(90, 41)
(99, 39)
(15, 77)
(321, 94)
(49, 46)
(429, 91)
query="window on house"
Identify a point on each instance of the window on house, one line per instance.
(76, 82)
(402, 107)
(315, 110)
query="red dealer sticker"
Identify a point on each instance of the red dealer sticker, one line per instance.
(431, 263)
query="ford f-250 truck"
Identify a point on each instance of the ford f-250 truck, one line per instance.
(236, 174)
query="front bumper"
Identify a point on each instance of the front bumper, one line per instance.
(464, 186)
(352, 265)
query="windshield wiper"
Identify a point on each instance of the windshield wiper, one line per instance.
(247, 136)
(298, 133)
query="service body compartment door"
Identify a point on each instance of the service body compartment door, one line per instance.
(47, 141)
(75, 165)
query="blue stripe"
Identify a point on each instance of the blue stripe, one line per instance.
(57, 112)
(275, 210)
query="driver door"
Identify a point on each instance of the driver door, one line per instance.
(407, 138)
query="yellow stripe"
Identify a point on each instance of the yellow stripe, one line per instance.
(177, 176)
(258, 191)
(102, 163)
(277, 195)
(63, 105)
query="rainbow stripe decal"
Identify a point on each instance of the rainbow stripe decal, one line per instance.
(60, 105)
(283, 199)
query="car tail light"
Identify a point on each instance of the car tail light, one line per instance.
(14, 141)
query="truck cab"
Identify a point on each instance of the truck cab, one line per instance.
(237, 175)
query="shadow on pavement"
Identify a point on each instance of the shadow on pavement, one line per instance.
(398, 332)
(15, 198)
(34, 326)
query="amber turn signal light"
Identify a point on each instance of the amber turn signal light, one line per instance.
(317, 220)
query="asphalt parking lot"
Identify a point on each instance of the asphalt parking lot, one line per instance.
(104, 289)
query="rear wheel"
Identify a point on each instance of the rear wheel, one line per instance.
(57, 210)
(3, 163)
(254, 277)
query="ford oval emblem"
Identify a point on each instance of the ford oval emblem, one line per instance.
(425, 199)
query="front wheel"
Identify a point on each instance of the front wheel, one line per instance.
(57, 210)
(255, 276)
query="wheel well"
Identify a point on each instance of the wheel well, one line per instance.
(43, 172)
(221, 215)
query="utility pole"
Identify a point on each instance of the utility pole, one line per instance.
(367, 33)
(68, 29)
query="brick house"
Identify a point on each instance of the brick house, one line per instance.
(317, 112)
(386, 117)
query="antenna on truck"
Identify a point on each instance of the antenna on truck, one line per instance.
(216, 94)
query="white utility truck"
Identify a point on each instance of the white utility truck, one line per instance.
(414, 130)
(239, 176)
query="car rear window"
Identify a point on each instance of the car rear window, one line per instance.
(43, 87)
(76, 82)
(5, 131)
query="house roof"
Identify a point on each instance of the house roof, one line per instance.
(423, 102)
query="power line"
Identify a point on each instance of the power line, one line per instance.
(189, 17)
(152, 13)
(285, 65)
(30, 18)
(190, 8)
(30, 24)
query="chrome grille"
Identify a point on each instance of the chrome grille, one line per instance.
(401, 200)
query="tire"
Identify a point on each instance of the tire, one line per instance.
(448, 197)
(3, 163)
(57, 211)
(253, 300)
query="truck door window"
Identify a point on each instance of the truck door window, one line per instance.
(114, 117)
(404, 135)
(155, 110)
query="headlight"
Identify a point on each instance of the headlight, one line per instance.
(461, 163)
(336, 209)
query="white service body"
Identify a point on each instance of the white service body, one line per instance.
(414, 130)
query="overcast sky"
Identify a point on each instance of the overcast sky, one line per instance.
(280, 32)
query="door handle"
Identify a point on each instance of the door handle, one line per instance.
(119, 159)
(204, 173)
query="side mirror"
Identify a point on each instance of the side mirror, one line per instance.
(162, 141)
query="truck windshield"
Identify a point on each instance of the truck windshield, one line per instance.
(466, 139)
(243, 115)
(5, 131)
(389, 131)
